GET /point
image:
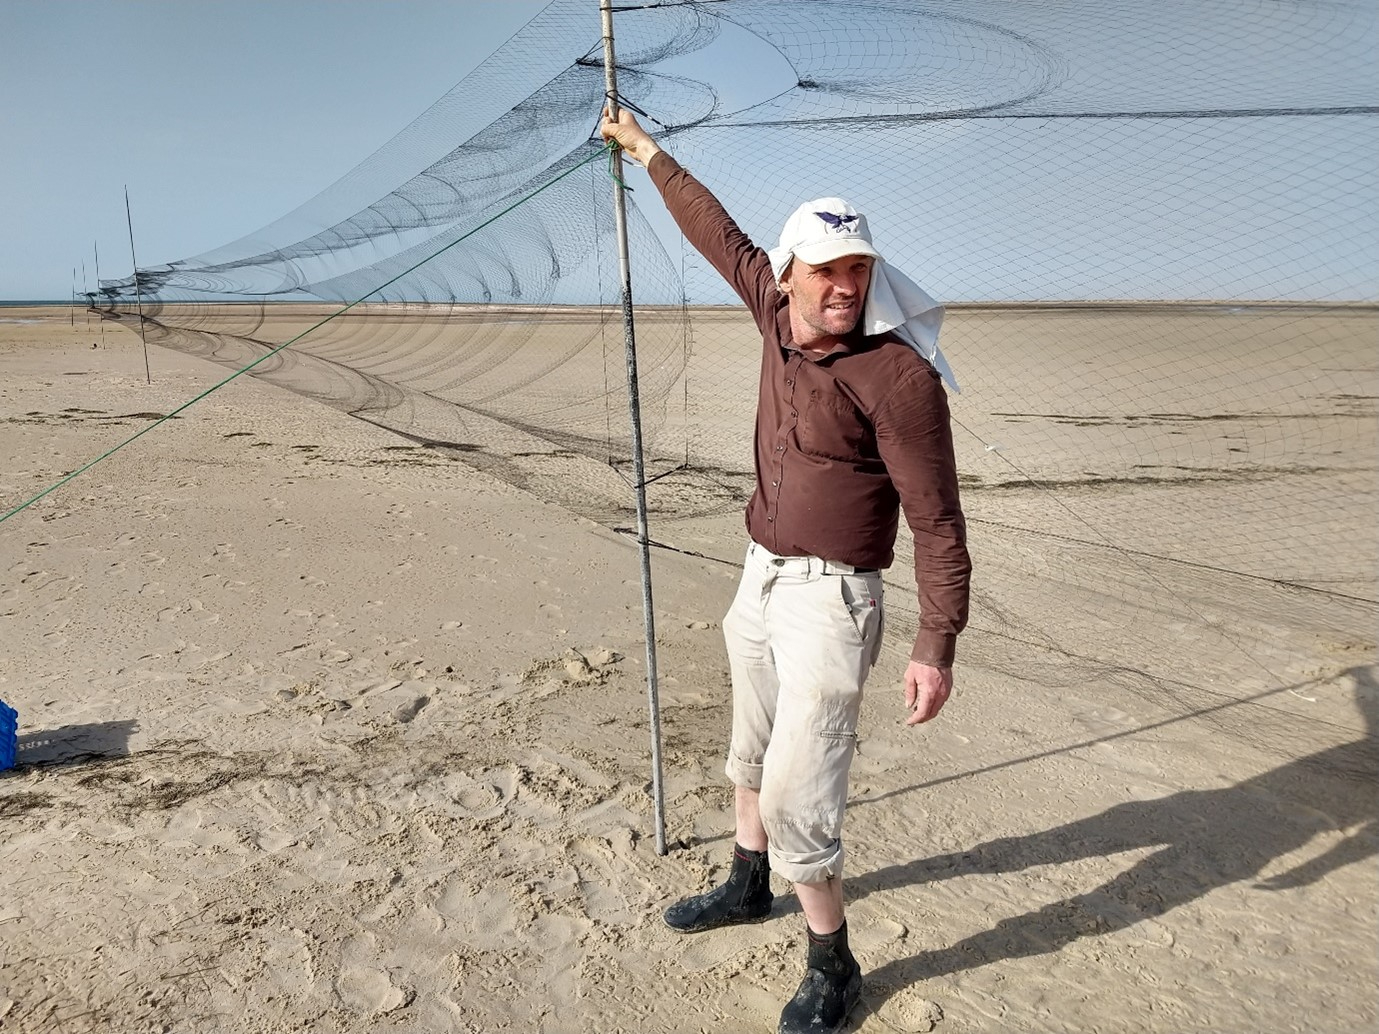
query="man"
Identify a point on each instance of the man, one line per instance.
(852, 423)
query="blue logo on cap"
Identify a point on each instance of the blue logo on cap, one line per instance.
(838, 223)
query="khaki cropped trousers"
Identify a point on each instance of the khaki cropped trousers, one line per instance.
(802, 635)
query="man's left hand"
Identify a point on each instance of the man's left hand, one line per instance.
(926, 691)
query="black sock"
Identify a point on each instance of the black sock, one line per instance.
(829, 952)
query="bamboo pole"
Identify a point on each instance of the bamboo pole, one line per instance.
(610, 70)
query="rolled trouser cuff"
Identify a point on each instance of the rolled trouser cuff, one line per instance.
(743, 773)
(803, 866)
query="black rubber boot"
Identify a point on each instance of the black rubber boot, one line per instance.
(831, 986)
(745, 898)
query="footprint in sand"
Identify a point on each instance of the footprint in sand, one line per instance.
(362, 984)
(600, 874)
(903, 1010)
(363, 989)
(484, 795)
(397, 702)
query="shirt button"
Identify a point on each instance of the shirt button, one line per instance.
(775, 484)
(770, 520)
(793, 413)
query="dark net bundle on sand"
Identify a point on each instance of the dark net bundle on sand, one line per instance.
(1154, 225)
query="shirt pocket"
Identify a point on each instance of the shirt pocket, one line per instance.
(832, 427)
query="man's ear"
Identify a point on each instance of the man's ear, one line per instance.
(784, 283)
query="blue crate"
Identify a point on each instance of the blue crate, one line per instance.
(9, 738)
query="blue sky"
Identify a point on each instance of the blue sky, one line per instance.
(219, 116)
(222, 117)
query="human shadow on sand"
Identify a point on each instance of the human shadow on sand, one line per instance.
(70, 745)
(1206, 838)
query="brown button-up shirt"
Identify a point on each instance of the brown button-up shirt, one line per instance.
(843, 440)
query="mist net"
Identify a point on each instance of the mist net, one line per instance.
(1154, 226)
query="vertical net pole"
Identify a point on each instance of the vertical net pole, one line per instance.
(635, 411)
(138, 294)
(96, 249)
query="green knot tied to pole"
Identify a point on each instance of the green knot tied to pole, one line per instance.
(613, 148)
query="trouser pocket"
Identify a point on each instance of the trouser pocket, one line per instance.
(863, 602)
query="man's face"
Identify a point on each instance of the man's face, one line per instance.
(826, 300)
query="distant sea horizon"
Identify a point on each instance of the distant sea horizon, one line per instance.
(1239, 304)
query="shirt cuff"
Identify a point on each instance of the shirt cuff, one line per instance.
(934, 648)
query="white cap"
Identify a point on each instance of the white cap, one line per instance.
(823, 230)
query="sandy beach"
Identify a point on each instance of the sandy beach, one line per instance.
(338, 723)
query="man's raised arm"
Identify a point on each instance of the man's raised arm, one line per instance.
(708, 227)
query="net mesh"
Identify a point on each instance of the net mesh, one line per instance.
(1154, 225)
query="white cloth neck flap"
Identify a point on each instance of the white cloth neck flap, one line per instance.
(897, 304)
